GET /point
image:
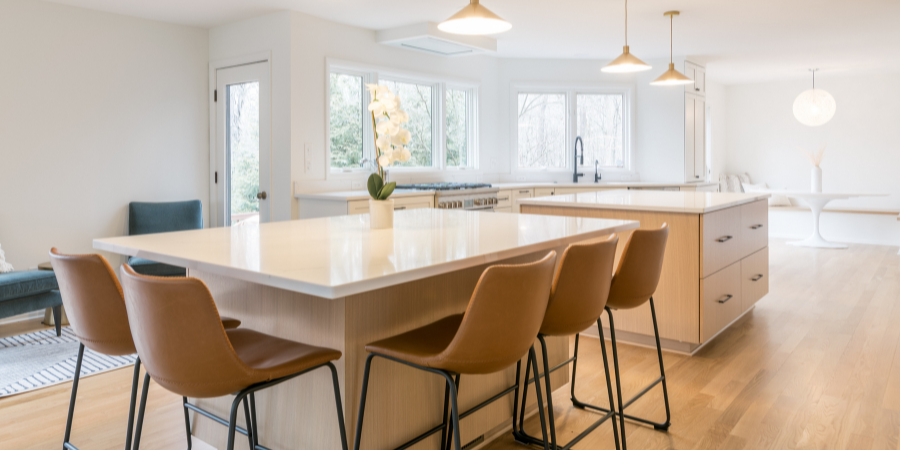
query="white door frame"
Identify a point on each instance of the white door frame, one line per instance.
(214, 66)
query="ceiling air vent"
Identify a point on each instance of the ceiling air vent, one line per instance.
(425, 37)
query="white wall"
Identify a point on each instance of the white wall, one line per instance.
(716, 116)
(96, 110)
(862, 154)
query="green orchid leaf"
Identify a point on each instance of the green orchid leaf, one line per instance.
(374, 185)
(387, 190)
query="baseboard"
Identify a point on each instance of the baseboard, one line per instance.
(34, 315)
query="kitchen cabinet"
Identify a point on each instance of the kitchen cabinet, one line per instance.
(697, 73)
(519, 194)
(400, 204)
(694, 138)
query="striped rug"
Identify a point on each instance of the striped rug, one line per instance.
(41, 359)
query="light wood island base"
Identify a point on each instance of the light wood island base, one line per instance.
(402, 402)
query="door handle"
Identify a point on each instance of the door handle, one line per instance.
(756, 227)
(757, 277)
(725, 298)
(261, 196)
(724, 238)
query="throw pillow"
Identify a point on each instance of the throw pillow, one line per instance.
(774, 200)
(4, 266)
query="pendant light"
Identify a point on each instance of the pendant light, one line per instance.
(474, 19)
(626, 62)
(671, 77)
(814, 107)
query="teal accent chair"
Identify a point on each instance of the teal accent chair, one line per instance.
(25, 291)
(149, 218)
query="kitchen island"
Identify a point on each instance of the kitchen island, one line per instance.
(716, 265)
(334, 282)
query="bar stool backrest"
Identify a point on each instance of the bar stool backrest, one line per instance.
(502, 319)
(180, 338)
(580, 288)
(638, 273)
(94, 304)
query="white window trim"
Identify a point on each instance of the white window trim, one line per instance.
(571, 91)
(371, 74)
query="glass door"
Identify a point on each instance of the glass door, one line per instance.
(243, 145)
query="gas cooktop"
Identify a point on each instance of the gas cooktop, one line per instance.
(443, 186)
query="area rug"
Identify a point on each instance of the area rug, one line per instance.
(41, 359)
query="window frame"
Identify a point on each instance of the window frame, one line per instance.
(373, 74)
(571, 92)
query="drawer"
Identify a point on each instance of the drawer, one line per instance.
(720, 244)
(520, 193)
(754, 226)
(754, 278)
(504, 199)
(505, 209)
(400, 203)
(544, 192)
(358, 207)
(721, 294)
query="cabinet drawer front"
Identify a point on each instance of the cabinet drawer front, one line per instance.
(425, 201)
(754, 278)
(504, 199)
(505, 209)
(521, 193)
(358, 207)
(543, 192)
(721, 295)
(721, 242)
(755, 226)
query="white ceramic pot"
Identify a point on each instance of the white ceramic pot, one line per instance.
(381, 213)
(816, 179)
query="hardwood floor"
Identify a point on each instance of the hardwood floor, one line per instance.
(815, 366)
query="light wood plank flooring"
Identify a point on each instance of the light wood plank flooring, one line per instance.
(815, 366)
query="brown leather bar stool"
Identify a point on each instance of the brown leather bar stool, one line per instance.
(474, 342)
(577, 299)
(633, 284)
(93, 299)
(178, 334)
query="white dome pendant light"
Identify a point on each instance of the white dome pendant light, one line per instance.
(671, 77)
(814, 107)
(474, 19)
(626, 62)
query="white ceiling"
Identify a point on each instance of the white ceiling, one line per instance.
(742, 41)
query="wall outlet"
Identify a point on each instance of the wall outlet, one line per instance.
(356, 185)
(520, 178)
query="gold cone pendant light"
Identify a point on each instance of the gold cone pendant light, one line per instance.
(474, 19)
(626, 62)
(671, 77)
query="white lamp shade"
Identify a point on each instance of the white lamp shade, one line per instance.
(814, 107)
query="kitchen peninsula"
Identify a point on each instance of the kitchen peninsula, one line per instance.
(334, 282)
(716, 265)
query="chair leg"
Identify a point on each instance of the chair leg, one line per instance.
(612, 334)
(337, 402)
(74, 395)
(612, 406)
(362, 401)
(251, 433)
(134, 385)
(253, 420)
(232, 419)
(450, 432)
(454, 411)
(548, 390)
(57, 319)
(446, 416)
(516, 396)
(540, 401)
(516, 435)
(187, 421)
(143, 407)
(575, 402)
(662, 372)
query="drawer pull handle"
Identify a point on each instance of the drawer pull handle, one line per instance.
(725, 298)
(503, 199)
(724, 238)
(524, 192)
(757, 277)
(399, 208)
(756, 227)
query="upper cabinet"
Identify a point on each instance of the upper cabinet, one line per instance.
(694, 138)
(698, 74)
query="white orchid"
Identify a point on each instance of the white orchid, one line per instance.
(390, 138)
(402, 138)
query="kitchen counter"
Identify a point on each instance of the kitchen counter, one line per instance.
(659, 201)
(334, 282)
(602, 184)
(344, 196)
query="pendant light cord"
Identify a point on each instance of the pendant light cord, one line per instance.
(671, 38)
(626, 22)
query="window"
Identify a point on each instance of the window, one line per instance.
(458, 127)
(548, 124)
(442, 120)
(542, 130)
(601, 127)
(418, 103)
(346, 120)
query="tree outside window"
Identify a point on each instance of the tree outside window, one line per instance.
(541, 130)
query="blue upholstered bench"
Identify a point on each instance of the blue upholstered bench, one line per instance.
(30, 290)
(148, 218)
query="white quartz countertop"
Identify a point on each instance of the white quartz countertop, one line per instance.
(334, 257)
(662, 201)
(602, 184)
(345, 196)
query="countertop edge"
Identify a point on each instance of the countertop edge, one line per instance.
(677, 210)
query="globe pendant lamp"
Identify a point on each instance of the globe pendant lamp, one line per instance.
(474, 19)
(626, 62)
(671, 77)
(814, 107)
